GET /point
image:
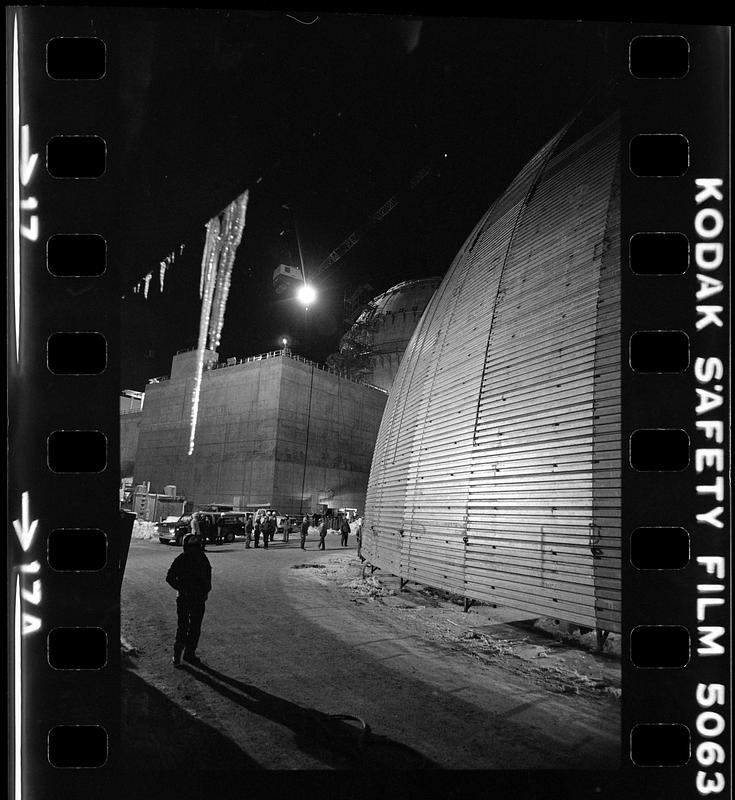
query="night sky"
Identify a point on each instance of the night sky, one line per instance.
(330, 115)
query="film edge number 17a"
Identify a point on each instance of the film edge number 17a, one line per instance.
(673, 86)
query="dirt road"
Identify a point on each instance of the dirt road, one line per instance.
(303, 671)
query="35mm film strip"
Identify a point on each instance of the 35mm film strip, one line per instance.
(675, 497)
(69, 539)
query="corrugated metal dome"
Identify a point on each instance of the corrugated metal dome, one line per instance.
(496, 473)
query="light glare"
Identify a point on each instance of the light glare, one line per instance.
(306, 295)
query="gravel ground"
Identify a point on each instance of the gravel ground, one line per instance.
(296, 642)
(553, 655)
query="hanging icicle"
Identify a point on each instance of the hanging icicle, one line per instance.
(208, 245)
(224, 233)
(147, 281)
(234, 224)
(208, 278)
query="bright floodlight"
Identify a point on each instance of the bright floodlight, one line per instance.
(306, 295)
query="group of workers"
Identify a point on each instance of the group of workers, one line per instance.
(322, 527)
(191, 573)
(264, 526)
(208, 530)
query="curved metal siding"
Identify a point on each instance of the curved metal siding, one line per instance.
(496, 472)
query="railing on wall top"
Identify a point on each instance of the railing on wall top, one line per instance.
(271, 354)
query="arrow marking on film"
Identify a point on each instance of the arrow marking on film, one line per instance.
(26, 529)
(27, 160)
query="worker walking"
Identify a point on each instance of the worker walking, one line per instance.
(345, 531)
(323, 534)
(191, 575)
(304, 532)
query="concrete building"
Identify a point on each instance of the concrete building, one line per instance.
(273, 430)
(131, 404)
(497, 469)
(373, 347)
(131, 401)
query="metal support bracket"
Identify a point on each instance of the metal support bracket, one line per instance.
(468, 603)
(403, 581)
(601, 638)
(365, 566)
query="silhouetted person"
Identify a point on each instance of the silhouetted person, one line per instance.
(345, 531)
(209, 529)
(269, 530)
(256, 530)
(191, 575)
(194, 524)
(304, 532)
(248, 531)
(323, 534)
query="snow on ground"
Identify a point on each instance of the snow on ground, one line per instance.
(554, 655)
(144, 530)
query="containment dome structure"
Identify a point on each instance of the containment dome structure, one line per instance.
(373, 347)
(496, 473)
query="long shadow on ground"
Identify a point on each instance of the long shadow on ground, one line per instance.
(156, 734)
(340, 742)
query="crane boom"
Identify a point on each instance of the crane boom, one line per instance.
(344, 247)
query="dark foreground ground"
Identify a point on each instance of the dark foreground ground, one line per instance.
(307, 666)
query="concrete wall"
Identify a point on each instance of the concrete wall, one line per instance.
(251, 438)
(129, 431)
(342, 424)
(184, 363)
(235, 436)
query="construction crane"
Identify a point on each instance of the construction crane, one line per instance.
(284, 275)
(347, 245)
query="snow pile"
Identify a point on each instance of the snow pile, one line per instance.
(144, 530)
(584, 637)
(369, 587)
(490, 645)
